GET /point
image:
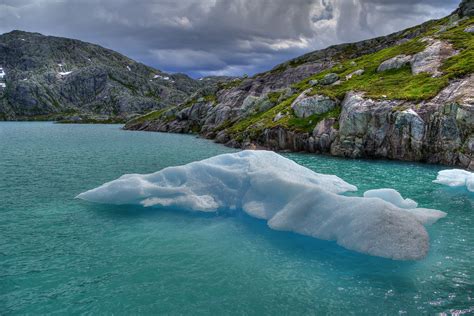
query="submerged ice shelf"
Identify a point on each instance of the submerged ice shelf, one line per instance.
(288, 196)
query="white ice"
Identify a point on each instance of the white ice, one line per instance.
(456, 178)
(392, 196)
(3, 85)
(2, 73)
(424, 215)
(64, 73)
(290, 197)
(161, 77)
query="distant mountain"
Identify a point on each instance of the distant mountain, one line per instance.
(44, 77)
(406, 96)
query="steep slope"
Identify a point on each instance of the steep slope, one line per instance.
(46, 76)
(406, 96)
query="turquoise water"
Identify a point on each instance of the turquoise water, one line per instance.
(65, 256)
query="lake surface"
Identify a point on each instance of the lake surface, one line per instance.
(66, 256)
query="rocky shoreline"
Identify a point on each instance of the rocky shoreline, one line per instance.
(439, 131)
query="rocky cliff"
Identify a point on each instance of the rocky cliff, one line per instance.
(51, 77)
(406, 96)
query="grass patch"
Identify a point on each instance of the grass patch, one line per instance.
(151, 116)
(230, 84)
(461, 64)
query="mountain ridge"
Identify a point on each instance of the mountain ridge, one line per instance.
(49, 77)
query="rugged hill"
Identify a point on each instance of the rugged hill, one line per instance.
(51, 77)
(407, 96)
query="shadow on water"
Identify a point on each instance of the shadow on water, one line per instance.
(297, 247)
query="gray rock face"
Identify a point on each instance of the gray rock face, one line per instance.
(438, 131)
(396, 62)
(431, 59)
(305, 106)
(329, 79)
(466, 8)
(323, 135)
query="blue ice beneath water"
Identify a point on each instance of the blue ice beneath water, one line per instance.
(288, 196)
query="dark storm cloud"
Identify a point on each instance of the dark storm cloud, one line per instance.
(203, 37)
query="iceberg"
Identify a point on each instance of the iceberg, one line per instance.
(288, 196)
(456, 178)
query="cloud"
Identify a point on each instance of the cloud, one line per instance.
(202, 37)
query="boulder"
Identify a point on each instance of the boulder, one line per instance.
(305, 106)
(358, 72)
(222, 137)
(253, 104)
(469, 29)
(329, 79)
(278, 117)
(396, 62)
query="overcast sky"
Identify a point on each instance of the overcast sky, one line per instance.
(217, 37)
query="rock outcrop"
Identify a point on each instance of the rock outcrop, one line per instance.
(431, 59)
(329, 79)
(438, 131)
(396, 62)
(305, 106)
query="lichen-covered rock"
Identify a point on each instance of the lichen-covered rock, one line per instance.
(432, 57)
(253, 104)
(305, 106)
(396, 62)
(358, 72)
(329, 79)
(469, 29)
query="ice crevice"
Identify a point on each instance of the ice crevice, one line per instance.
(288, 196)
